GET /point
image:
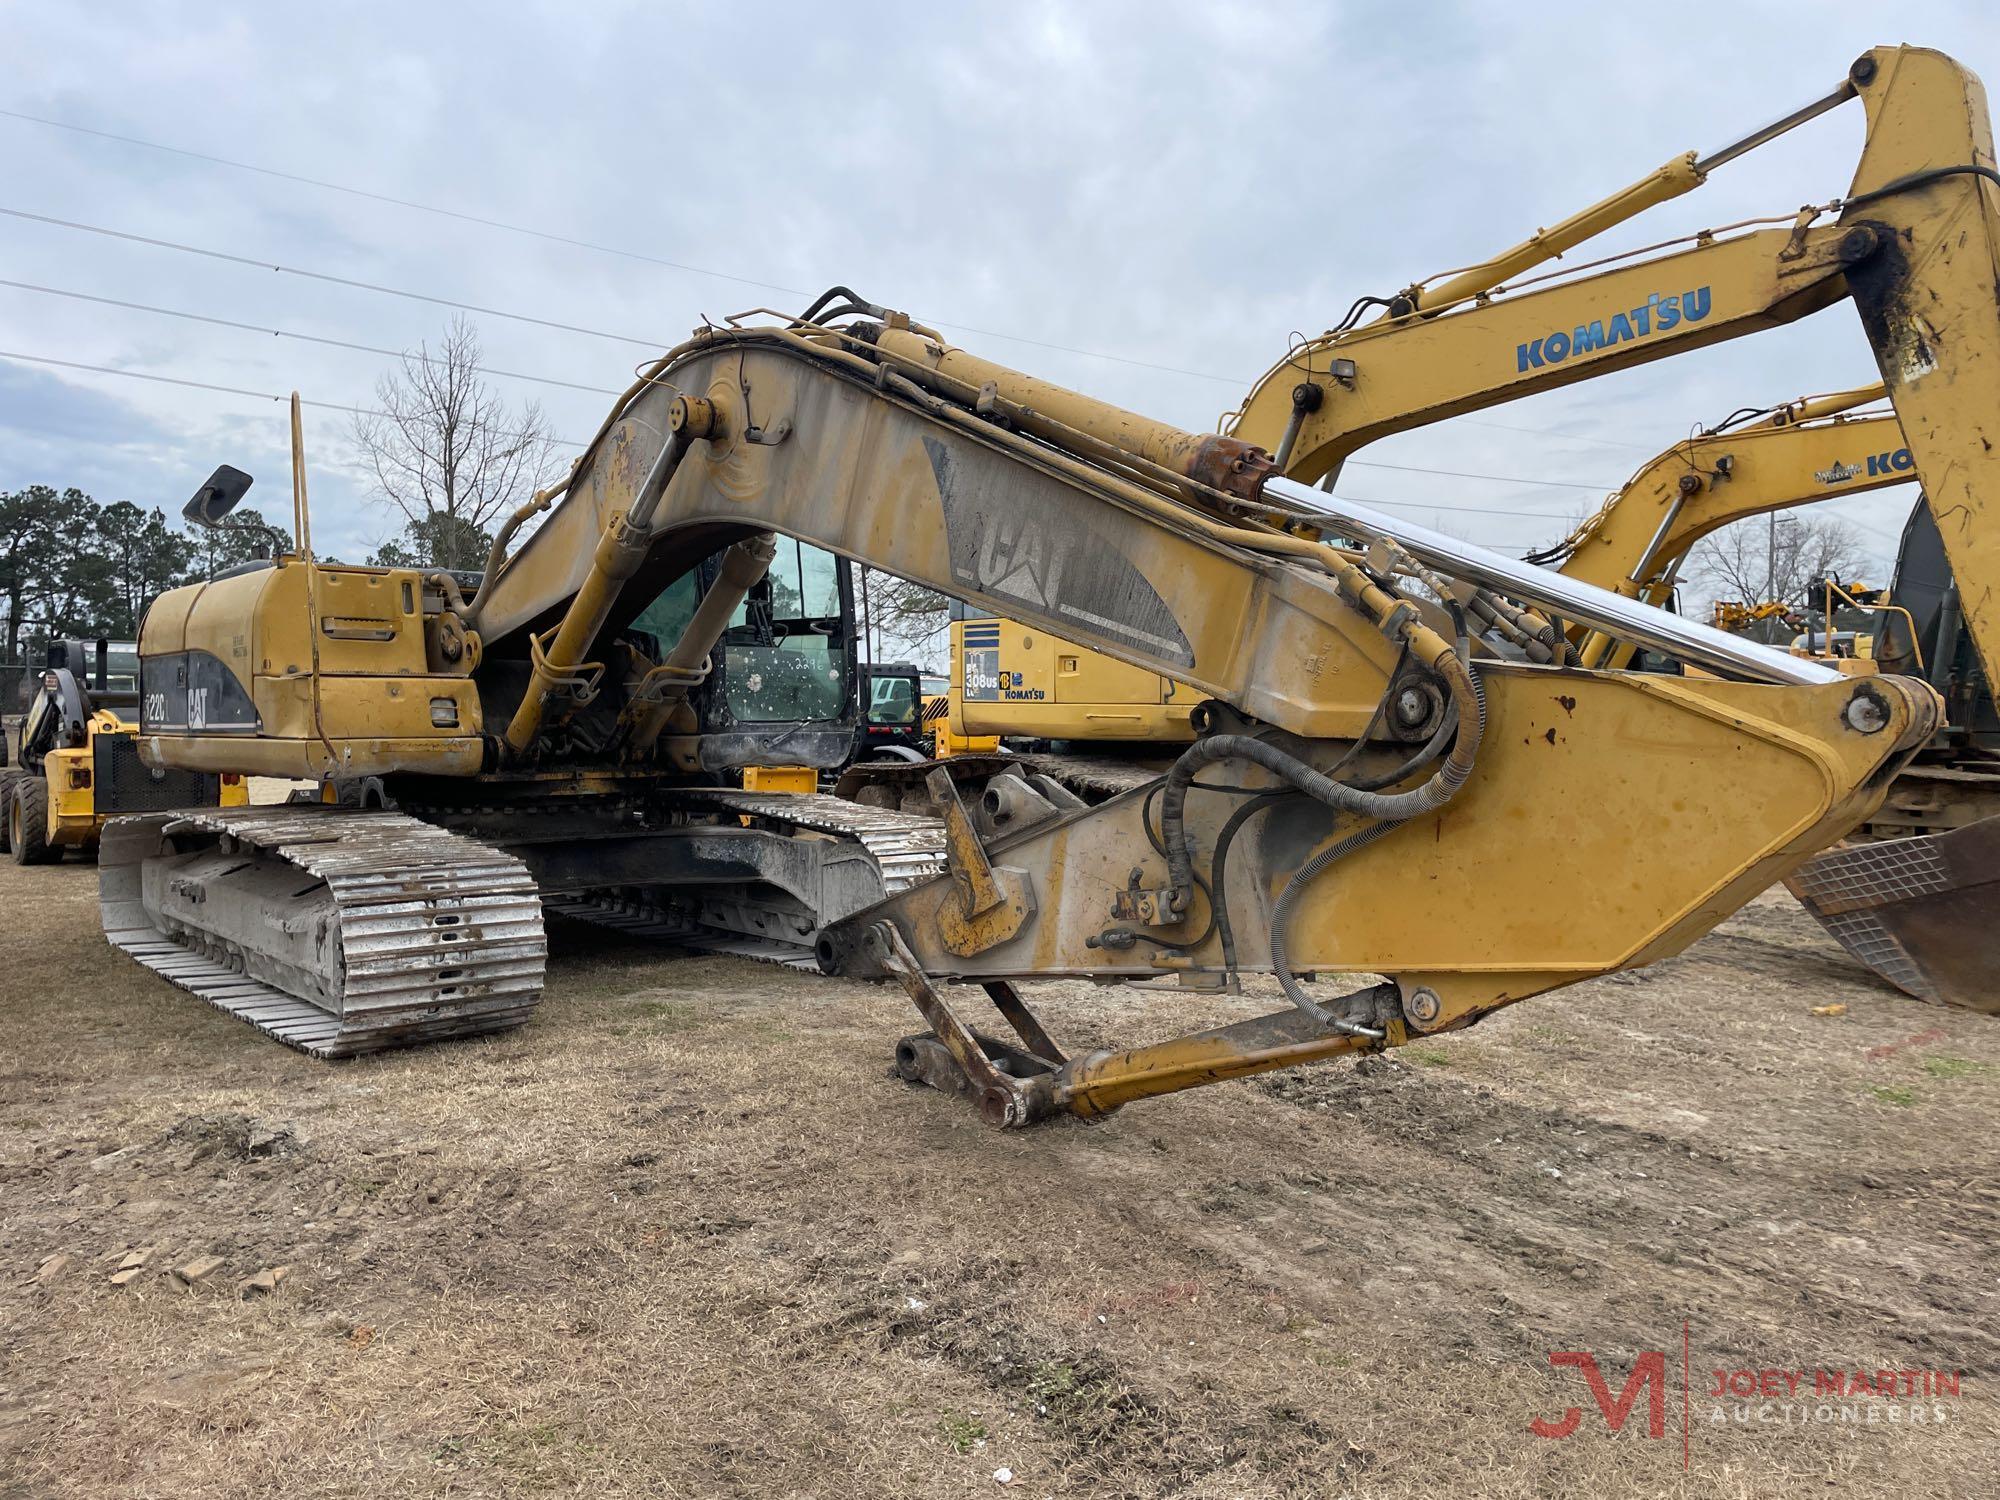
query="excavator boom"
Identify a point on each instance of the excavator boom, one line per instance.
(1382, 783)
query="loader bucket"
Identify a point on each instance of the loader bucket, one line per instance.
(1922, 912)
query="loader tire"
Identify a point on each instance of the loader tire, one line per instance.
(28, 823)
(7, 780)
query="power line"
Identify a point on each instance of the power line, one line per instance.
(657, 260)
(683, 266)
(561, 239)
(227, 390)
(243, 260)
(1567, 437)
(1559, 484)
(366, 286)
(309, 338)
(409, 203)
(1463, 510)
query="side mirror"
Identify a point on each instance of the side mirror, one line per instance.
(225, 488)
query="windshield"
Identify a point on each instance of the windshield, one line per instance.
(783, 656)
(783, 662)
(893, 700)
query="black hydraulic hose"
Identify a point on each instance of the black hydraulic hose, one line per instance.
(856, 302)
(1374, 720)
(1308, 872)
(1354, 312)
(1217, 916)
(1738, 417)
(1426, 753)
(1281, 914)
(1921, 179)
(1387, 807)
(1218, 869)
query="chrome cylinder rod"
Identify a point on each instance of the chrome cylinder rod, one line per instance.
(1599, 609)
(1776, 128)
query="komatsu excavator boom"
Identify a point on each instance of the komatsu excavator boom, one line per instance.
(544, 733)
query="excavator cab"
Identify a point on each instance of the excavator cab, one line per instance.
(780, 684)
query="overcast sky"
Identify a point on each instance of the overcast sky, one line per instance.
(1167, 191)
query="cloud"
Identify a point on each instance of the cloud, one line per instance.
(1179, 184)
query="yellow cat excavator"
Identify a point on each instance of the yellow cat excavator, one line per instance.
(1446, 799)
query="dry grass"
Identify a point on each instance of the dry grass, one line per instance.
(683, 1236)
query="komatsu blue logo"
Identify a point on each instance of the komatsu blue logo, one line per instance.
(1656, 314)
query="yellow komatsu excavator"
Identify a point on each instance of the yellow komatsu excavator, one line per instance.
(1800, 453)
(1466, 822)
(1012, 682)
(1915, 901)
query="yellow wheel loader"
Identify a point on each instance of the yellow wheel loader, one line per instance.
(1384, 781)
(79, 763)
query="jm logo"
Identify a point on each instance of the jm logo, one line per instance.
(1649, 1375)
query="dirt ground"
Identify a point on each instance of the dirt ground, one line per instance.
(683, 1236)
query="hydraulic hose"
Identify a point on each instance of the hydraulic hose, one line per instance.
(1332, 854)
(1218, 874)
(1281, 915)
(1394, 807)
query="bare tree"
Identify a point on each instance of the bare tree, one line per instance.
(903, 619)
(448, 454)
(1740, 562)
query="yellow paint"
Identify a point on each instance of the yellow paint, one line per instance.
(1610, 819)
(780, 779)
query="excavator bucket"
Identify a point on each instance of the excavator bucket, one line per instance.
(1922, 912)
